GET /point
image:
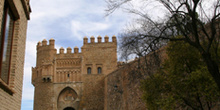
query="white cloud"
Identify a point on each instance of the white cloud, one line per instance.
(81, 29)
(54, 9)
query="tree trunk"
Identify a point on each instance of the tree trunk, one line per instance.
(213, 68)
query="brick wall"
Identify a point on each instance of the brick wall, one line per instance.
(7, 101)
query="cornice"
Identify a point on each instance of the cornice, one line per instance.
(27, 8)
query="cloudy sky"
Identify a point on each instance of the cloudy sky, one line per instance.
(67, 21)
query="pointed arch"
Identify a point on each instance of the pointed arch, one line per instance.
(66, 98)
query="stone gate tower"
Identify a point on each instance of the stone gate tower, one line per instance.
(73, 80)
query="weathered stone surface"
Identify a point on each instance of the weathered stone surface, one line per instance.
(123, 90)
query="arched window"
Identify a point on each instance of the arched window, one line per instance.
(44, 79)
(89, 70)
(48, 79)
(99, 70)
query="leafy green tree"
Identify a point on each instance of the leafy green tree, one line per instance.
(183, 82)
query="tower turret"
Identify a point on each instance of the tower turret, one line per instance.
(45, 55)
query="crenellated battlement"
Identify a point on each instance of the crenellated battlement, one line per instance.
(69, 50)
(44, 46)
(99, 39)
(44, 43)
(41, 46)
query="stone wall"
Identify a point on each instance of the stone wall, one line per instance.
(44, 97)
(93, 92)
(123, 90)
(123, 86)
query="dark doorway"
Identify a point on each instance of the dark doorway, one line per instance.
(68, 108)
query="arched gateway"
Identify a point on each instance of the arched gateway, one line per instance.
(67, 99)
(69, 108)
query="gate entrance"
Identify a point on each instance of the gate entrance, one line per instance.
(69, 108)
(67, 99)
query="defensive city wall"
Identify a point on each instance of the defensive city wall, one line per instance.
(88, 80)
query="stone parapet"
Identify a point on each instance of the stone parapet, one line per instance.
(99, 39)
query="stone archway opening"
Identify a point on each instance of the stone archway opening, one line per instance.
(68, 108)
(67, 99)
